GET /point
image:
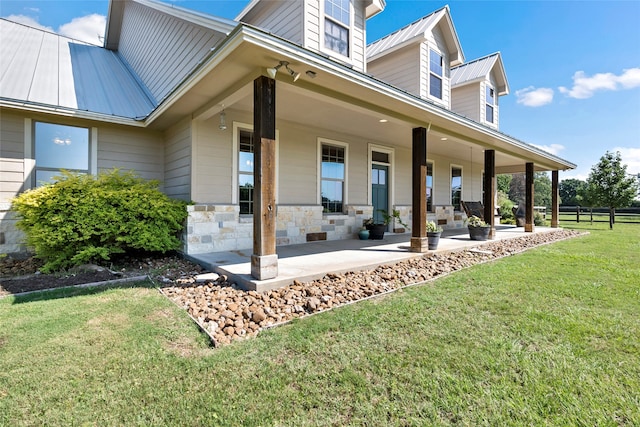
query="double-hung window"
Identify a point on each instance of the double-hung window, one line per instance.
(336, 25)
(435, 74)
(456, 187)
(332, 178)
(245, 171)
(490, 101)
(429, 187)
(60, 147)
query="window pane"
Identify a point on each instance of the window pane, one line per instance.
(61, 147)
(429, 186)
(456, 187)
(490, 96)
(435, 86)
(246, 162)
(435, 63)
(489, 113)
(374, 176)
(380, 157)
(382, 177)
(245, 171)
(332, 196)
(336, 37)
(338, 10)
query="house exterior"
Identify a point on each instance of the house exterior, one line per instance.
(281, 127)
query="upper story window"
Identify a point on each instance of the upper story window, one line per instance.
(245, 171)
(336, 25)
(490, 104)
(59, 147)
(435, 74)
(333, 175)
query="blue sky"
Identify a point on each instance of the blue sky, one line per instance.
(573, 66)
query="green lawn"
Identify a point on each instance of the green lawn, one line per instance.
(547, 337)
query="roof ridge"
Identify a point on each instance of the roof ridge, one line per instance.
(408, 25)
(45, 30)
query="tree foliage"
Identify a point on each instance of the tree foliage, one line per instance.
(572, 192)
(503, 182)
(541, 189)
(609, 185)
(82, 218)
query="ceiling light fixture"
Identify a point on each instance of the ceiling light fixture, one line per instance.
(383, 120)
(311, 74)
(274, 70)
(223, 119)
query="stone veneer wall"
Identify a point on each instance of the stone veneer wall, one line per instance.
(11, 239)
(217, 228)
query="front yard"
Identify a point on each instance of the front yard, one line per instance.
(547, 337)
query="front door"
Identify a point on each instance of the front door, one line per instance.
(379, 191)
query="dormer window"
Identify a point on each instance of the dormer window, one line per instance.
(435, 74)
(490, 104)
(336, 26)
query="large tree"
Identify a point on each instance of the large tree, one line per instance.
(541, 189)
(609, 185)
(572, 192)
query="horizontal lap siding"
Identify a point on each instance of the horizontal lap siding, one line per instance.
(152, 41)
(283, 18)
(137, 150)
(177, 151)
(11, 155)
(400, 68)
(465, 100)
(212, 159)
(436, 39)
(298, 160)
(312, 25)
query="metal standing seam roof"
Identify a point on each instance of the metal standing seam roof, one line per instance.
(40, 67)
(478, 69)
(405, 34)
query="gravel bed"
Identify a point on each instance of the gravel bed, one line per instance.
(228, 313)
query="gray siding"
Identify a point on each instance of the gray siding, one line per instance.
(283, 18)
(152, 41)
(400, 68)
(132, 149)
(177, 156)
(466, 100)
(212, 159)
(11, 155)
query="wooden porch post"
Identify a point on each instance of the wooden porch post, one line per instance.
(528, 225)
(490, 190)
(555, 200)
(419, 191)
(264, 261)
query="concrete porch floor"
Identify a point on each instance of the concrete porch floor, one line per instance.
(310, 261)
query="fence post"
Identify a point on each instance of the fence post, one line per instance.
(577, 213)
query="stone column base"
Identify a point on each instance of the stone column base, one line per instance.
(264, 267)
(528, 228)
(419, 244)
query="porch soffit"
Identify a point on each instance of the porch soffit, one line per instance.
(248, 52)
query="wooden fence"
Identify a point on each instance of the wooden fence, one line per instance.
(586, 214)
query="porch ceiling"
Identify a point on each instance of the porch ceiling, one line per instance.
(337, 99)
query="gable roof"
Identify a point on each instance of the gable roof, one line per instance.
(417, 32)
(43, 68)
(480, 69)
(372, 8)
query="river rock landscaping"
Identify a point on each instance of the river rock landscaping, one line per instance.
(228, 313)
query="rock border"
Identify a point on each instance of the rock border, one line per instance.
(227, 313)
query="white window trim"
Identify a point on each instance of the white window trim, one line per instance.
(391, 152)
(451, 166)
(235, 196)
(344, 145)
(488, 87)
(433, 185)
(350, 28)
(29, 161)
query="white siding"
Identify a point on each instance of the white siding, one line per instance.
(436, 41)
(496, 109)
(152, 41)
(282, 18)
(466, 100)
(177, 167)
(400, 68)
(132, 149)
(358, 39)
(11, 155)
(312, 33)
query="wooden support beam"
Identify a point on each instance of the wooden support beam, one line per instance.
(490, 190)
(555, 200)
(419, 191)
(528, 224)
(264, 261)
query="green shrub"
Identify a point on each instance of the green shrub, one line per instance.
(83, 218)
(538, 219)
(505, 209)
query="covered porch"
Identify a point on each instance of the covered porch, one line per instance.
(309, 261)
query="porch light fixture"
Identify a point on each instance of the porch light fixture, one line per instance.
(311, 74)
(223, 120)
(274, 70)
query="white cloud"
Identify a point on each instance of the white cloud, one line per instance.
(532, 97)
(585, 86)
(630, 157)
(27, 20)
(554, 149)
(88, 28)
